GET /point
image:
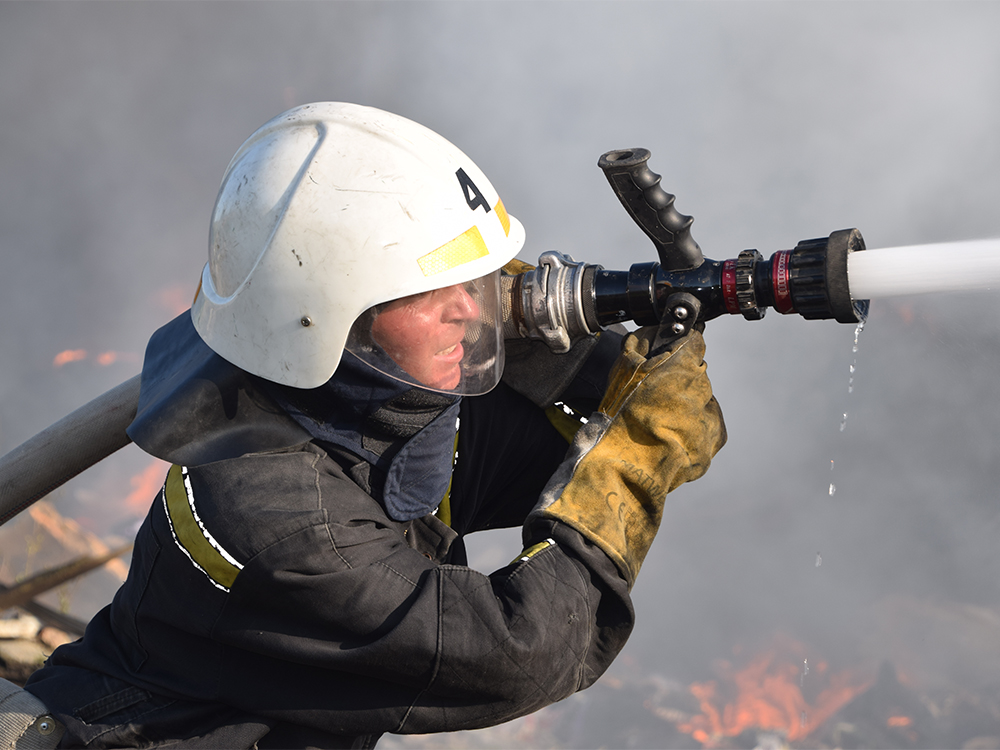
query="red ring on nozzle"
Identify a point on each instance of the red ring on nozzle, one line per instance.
(729, 287)
(781, 282)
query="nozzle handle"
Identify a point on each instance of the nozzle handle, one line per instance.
(652, 208)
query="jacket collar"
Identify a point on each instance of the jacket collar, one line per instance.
(195, 407)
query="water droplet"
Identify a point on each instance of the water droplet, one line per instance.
(819, 559)
(833, 489)
(843, 422)
(831, 464)
(852, 369)
(850, 388)
(804, 720)
(805, 671)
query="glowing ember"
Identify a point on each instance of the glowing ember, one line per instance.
(899, 721)
(70, 355)
(766, 694)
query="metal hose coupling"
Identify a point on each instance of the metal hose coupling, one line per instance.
(553, 302)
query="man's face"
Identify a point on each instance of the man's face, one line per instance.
(423, 334)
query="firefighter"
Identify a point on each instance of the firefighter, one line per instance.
(337, 414)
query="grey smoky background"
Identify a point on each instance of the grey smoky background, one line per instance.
(771, 122)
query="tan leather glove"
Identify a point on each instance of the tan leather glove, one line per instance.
(658, 426)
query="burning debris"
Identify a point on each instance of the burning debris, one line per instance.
(755, 702)
(775, 691)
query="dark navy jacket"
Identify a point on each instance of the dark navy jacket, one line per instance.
(272, 600)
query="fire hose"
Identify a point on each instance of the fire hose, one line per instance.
(558, 302)
(61, 451)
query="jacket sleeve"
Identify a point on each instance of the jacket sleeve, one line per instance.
(525, 637)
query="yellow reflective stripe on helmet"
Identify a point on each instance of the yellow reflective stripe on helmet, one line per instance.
(502, 215)
(191, 535)
(465, 248)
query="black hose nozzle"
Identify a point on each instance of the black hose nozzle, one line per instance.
(561, 300)
(810, 280)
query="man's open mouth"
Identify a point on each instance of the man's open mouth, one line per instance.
(454, 352)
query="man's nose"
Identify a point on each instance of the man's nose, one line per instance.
(459, 305)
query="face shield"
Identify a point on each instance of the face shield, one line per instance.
(447, 340)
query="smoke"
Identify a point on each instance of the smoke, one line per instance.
(771, 122)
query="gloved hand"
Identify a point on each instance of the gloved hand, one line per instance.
(657, 427)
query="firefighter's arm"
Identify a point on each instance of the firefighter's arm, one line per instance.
(553, 621)
(657, 427)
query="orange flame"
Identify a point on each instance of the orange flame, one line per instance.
(145, 485)
(70, 355)
(766, 694)
(104, 358)
(899, 721)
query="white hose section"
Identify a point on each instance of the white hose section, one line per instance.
(917, 269)
(60, 452)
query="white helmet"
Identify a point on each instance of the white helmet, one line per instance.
(330, 210)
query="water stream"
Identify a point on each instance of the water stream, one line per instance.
(916, 269)
(946, 267)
